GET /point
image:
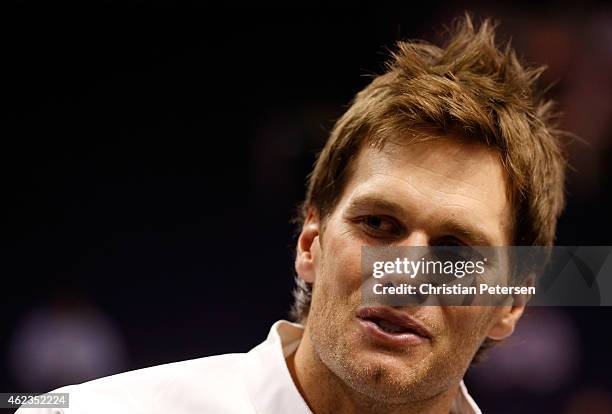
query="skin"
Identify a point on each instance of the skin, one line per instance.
(415, 194)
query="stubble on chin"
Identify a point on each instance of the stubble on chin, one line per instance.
(347, 363)
(334, 337)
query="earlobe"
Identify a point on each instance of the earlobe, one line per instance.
(307, 249)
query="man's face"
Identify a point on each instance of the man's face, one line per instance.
(440, 192)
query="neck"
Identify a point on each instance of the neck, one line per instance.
(324, 392)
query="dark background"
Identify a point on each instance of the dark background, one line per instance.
(151, 161)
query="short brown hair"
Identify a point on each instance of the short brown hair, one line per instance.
(470, 87)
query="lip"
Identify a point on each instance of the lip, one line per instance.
(417, 334)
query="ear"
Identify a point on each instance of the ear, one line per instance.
(308, 248)
(506, 322)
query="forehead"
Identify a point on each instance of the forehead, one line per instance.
(440, 180)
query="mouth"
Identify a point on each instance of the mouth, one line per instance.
(391, 327)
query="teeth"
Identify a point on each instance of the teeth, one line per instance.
(389, 327)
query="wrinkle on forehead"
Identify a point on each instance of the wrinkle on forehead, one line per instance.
(423, 154)
(439, 190)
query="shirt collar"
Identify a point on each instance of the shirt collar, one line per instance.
(267, 377)
(271, 387)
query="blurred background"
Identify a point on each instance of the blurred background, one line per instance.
(151, 164)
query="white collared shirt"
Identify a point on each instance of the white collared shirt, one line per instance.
(257, 382)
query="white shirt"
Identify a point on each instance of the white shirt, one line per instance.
(257, 382)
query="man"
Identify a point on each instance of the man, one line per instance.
(450, 146)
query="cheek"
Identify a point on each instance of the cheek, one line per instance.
(469, 324)
(339, 265)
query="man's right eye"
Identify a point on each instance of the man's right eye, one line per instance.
(379, 226)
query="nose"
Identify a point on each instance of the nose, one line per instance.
(416, 238)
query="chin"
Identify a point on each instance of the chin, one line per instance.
(393, 375)
(383, 370)
(384, 375)
(381, 381)
(393, 364)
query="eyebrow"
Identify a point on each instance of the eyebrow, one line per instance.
(462, 230)
(368, 201)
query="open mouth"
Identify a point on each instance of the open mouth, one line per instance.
(390, 325)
